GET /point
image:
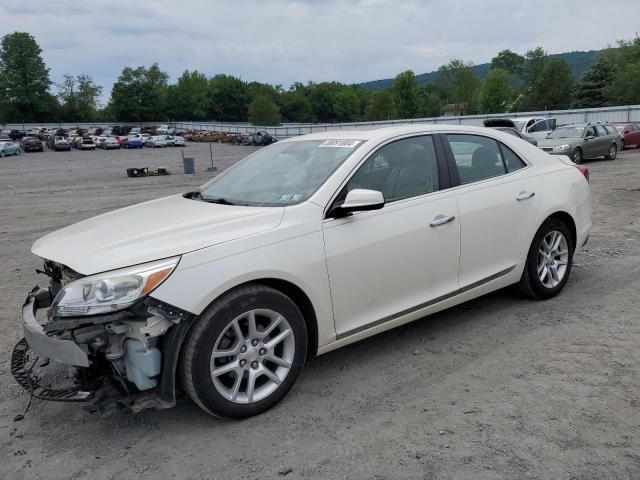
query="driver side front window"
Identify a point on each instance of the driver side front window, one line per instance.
(403, 169)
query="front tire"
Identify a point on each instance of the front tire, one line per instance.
(577, 156)
(245, 352)
(549, 261)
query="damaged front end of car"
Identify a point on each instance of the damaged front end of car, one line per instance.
(117, 344)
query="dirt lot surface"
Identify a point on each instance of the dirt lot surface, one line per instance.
(499, 388)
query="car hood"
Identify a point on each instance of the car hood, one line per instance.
(554, 142)
(150, 231)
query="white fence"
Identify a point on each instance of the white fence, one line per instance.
(605, 114)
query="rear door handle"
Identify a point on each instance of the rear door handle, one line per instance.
(524, 196)
(442, 220)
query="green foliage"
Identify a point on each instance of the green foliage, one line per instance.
(229, 97)
(296, 105)
(139, 94)
(188, 98)
(78, 97)
(461, 84)
(24, 81)
(508, 61)
(590, 90)
(264, 111)
(406, 95)
(495, 94)
(625, 88)
(553, 86)
(380, 106)
(346, 106)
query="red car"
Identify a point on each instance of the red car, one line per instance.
(630, 134)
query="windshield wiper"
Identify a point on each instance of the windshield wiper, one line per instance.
(220, 200)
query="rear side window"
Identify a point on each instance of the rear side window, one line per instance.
(541, 126)
(511, 160)
(610, 129)
(480, 158)
(477, 158)
(601, 131)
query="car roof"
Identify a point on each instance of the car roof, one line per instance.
(387, 132)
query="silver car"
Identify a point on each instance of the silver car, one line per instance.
(582, 141)
(9, 148)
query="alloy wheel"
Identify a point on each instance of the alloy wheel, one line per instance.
(553, 258)
(252, 356)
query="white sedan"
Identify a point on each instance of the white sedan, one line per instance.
(156, 141)
(305, 246)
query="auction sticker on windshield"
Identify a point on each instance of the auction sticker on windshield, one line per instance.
(339, 144)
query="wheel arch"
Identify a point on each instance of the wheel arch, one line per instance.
(568, 220)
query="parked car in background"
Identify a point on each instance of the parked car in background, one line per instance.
(60, 143)
(256, 273)
(16, 134)
(144, 137)
(107, 142)
(630, 134)
(9, 148)
(178, 141)
(156, 141)
(170, 139)
(517, 133)
(32, 144)
(86, 143)
(583, 141)
(537, 127)
(133, 141)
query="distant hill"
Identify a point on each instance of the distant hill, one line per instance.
(580, 63)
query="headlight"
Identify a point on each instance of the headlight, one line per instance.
(561, 148)
(111, 291)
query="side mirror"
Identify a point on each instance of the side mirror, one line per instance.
(359, 200)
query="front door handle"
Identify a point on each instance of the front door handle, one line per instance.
(442, 220)
(524, 196)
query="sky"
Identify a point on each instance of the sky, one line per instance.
(281, 42)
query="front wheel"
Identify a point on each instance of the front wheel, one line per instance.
(245, 352)
(577, 156)
(613, 152)
(549, 261)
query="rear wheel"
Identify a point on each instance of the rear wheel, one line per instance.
(613, 152)
(245, 352)
(577, 156)
(549, 261)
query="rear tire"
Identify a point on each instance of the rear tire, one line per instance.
(548, 264)
(263, 362)
(577, 156)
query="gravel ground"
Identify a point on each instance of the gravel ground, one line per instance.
(498, 388)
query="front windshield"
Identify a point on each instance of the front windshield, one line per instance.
(282, 174)
(567, 132)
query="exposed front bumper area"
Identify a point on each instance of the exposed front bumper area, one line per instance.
(61, 351)
(127, 358)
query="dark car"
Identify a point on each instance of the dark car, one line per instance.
(32, 144)
(630, 134)
(16, 135)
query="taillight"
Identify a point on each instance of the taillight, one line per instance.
(584, 170)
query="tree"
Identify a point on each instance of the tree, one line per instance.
(590, 90)
(139, 94)
(24, 80)
(346, 106)
(495, 94)
(508, 61)
(79, 97)
(553, 87)
(534, 63)
(380, 105)
(431, 103)
(296, 106)
(188, 98)
(264, 111)
(461, 84)
(228, 97)
(406, 98)
(625, 88)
